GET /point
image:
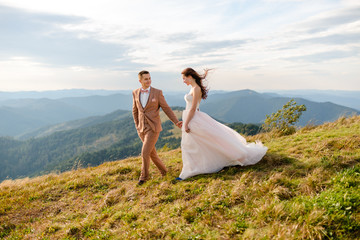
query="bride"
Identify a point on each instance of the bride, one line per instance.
(208, 146)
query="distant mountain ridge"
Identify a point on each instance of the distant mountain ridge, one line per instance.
(346, 98)
(29, 114)
(75, 124)
(248, 106)
(56, 94)
(341, 97)
(21, 117)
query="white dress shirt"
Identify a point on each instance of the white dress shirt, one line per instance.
(144, 97)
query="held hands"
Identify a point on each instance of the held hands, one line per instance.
(179, 124)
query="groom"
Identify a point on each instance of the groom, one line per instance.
(146, 105)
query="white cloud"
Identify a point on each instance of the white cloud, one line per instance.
(262, 44)
(28, 74)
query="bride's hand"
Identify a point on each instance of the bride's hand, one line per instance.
(187, 129)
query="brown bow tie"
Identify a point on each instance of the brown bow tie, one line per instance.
(144, 91)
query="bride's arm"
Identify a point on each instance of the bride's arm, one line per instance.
(196, 98)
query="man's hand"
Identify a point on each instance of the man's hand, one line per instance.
(179, 124)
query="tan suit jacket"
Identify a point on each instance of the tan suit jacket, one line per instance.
(149, 117)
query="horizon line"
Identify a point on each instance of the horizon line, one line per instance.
(224, 90)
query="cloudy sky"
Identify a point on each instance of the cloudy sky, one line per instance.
(267, 44)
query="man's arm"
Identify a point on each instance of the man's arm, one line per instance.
(167, 110)
(135, 112)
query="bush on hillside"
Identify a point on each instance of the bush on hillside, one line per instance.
(284, 119)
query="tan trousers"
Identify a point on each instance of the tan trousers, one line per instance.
(149, 139)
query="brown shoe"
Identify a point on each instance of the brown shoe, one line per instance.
(164, 173)
(141, 182)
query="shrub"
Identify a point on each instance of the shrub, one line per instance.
(283, 120)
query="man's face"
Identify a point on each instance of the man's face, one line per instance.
(145, 81)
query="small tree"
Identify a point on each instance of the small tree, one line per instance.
(283, 120)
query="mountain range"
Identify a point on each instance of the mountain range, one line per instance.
(248, 106)
(61, 134)
(20, 118)
(341, 97)
(346, 98)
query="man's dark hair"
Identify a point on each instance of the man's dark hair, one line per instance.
(142, 73)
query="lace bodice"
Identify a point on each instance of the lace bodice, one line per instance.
(189, 99)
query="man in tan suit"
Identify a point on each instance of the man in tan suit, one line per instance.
(146, 106)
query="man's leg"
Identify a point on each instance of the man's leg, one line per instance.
(149, 139)
(148, 150)
(157, 161)
(145, 158)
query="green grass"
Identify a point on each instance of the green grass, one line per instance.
(306, 187)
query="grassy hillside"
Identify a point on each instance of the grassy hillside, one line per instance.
(306, 187)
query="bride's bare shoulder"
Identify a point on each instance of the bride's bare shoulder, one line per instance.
(197, 89)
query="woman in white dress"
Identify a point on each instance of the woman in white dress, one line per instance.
(208, 146)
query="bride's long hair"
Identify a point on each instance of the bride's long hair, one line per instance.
(198, 79)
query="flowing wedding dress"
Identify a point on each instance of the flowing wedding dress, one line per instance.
(210, 146)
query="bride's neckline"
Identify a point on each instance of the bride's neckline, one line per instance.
(191, 95)
(191, 90)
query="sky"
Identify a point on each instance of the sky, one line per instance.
(249, 44)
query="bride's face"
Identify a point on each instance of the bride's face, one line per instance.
(186, 80)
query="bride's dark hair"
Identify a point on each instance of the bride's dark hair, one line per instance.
(198, 79)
